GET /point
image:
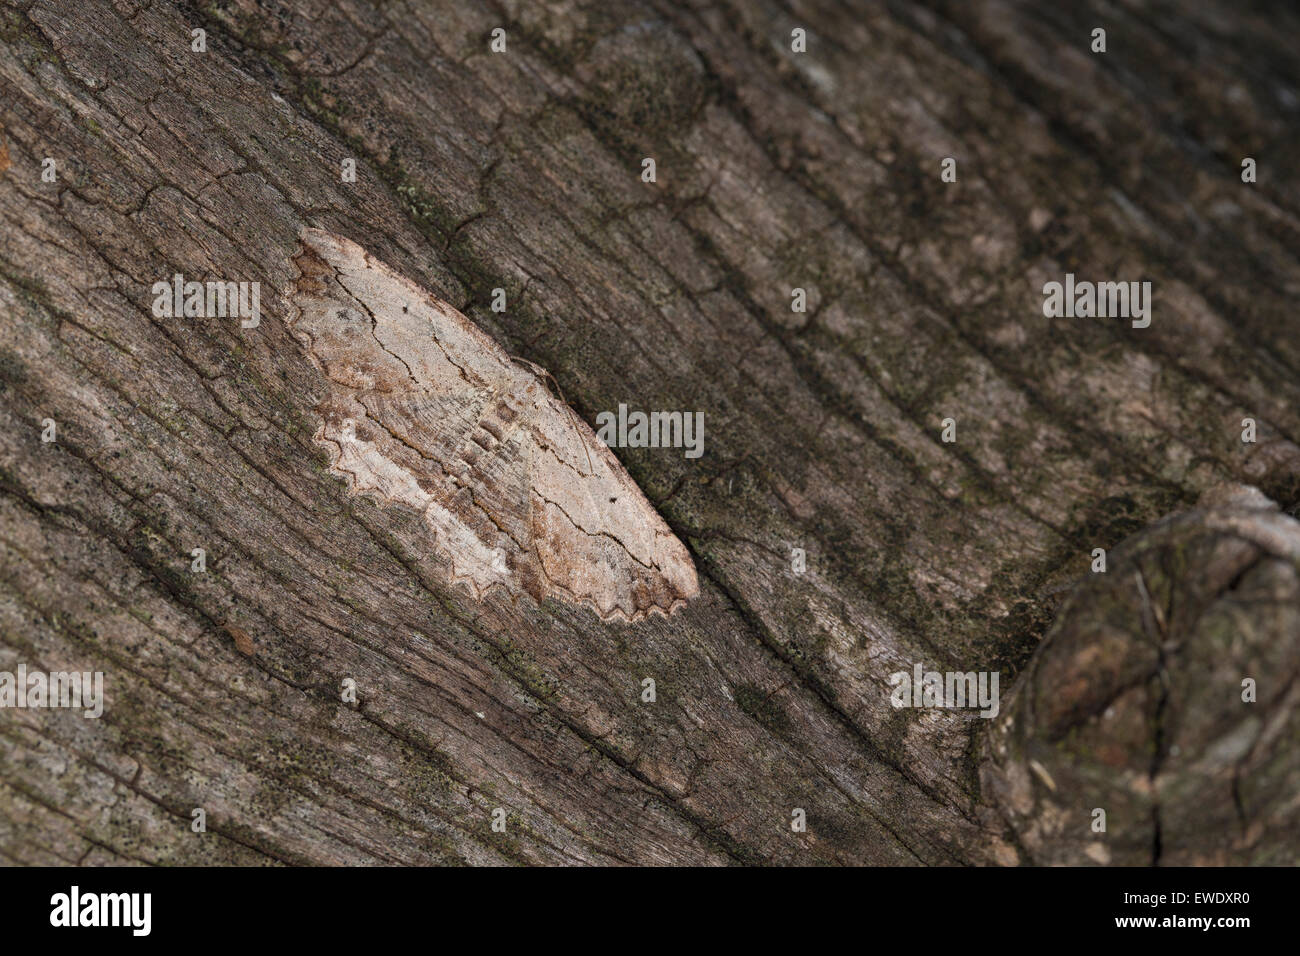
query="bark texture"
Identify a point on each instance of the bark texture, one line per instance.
(1164, 699)
(522, 170)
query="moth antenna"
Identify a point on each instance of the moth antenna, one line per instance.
(544, 374)
(590, 467)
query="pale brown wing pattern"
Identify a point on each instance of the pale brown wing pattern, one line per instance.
(426, 411)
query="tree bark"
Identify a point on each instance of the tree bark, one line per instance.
(522, 170)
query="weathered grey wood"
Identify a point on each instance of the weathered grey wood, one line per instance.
(522, 171)
(1175, 736)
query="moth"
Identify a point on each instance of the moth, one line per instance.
(422, 409)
